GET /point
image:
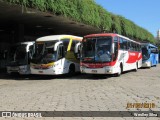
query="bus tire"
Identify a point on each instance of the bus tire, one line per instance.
(120, 71)
(150, 65)
(71, 70)
(136, 67)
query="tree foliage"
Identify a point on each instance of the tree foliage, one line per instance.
(88, 12)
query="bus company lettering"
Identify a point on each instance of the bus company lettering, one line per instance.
(95, 65)
(133, 57)
(132, 54)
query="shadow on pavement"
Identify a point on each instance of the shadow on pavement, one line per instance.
(78, 76)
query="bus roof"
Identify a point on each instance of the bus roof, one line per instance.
(149, 44)
(58, 37)
(109, 34)
(27, 42)
(100, 34)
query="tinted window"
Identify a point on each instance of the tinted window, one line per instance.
(73, 45)
(115, 48)
(132, 46)
(121, 43)
(125, 44)
(65, 44)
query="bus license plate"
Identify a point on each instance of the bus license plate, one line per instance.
(94, 71)
(40, 71)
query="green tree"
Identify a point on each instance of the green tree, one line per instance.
(88, 12)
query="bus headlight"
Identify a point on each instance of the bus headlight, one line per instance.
(108, 69)
(50, 66)
(148, 63)
(55, 65)
(82, 68)
(23, 69)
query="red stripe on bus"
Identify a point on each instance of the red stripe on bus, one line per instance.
(140, 57)
(133, 57)
(97, 65)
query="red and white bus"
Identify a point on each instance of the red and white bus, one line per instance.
(109, 53)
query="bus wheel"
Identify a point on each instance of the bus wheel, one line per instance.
(150, 65)
(120, 71)
(136, 67)
(71, 71)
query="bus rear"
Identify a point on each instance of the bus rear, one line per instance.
(109, 54)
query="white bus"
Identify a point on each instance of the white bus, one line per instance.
(56, 54)
(19, 57)
(109, 53)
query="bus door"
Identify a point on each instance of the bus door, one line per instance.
(60, 51)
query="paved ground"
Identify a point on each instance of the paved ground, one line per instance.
(80, 93)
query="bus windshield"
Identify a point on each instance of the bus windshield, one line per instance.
(145, 53)
(96, 49)
(18, 55)
(44, 52)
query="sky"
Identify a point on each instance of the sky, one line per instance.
(144, 13)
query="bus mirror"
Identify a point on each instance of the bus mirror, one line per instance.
(113, 46)
(61, 52)
(77, 48)
(56, 45)
(30, 47)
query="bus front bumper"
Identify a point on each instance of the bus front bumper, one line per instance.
(12, 69)
(104, 70)
(23, 70)
(50, 71)
(146, 64)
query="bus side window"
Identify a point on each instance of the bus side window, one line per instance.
(157, 50)
(136, 46)
(65, 44)
(125, 44)
(140, 48)
(73, 45)
(115, 48)
(128, 45)
(132, 46)
(121, 43)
